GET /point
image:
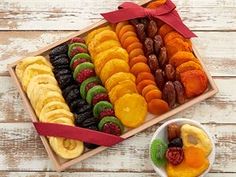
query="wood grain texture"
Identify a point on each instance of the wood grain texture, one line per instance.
(67, 14)
(218, 54)
(21, 149)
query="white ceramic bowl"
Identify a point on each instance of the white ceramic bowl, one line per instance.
(161, 134)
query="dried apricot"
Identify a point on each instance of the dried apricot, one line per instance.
(131, 109)
(139, 67)
(126, 35)
(135, 53)
(158, 106)
(164, 29)
(120, 25)
(138, 59)
(182, 57)
(143, 84)
(129, 40)
(124, 29)
(135, 45)
(148, 88)
(194, 156)
(144, 76)
(153, 94)
(175, 46)
(190, 65)
(194, 81)
(172, 35)
(155, 4)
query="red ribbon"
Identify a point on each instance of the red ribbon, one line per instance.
(77, 133)
(165, 13)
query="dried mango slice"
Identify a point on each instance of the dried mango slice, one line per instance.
(190, 65)
(113, 66)
(182, 57)
(158, 106)
(124, 87)
(195, 82)
(118, 77)
(131, 109)
(194, 156)
(91, 35)
(175, 46)
(164, 29)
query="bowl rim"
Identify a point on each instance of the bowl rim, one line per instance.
(211, 156)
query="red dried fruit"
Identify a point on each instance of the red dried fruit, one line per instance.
(85, 74)
(100, 97)
(77, 50)
(77, 40)
(77, 62)
(90, 85)
(112, 128)
(106, 112)
(175, 155)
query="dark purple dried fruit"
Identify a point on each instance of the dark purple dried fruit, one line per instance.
(177, 142)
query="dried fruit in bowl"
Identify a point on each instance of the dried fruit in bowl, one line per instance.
(131, 109)
(158, 150)
(194, 81)
(194, 156)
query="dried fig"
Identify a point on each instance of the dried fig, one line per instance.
(148, 45)
(158, 43)
(153, 62)
(162, 58)
(169, 94)
(179, 89)
(170, 72)
(160, 79)
(141, 32)
(173, 131)
(152, 29)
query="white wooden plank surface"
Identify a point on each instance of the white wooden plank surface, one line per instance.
(217, 48)
(74, 14)
(21, 150)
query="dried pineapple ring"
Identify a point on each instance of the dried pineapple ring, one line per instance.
(131, 109)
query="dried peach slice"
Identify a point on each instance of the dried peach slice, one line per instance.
(182, 57)
(139, 67)
(124, 87)
(189, 65)
(138, 59)
(131, 109)
(144, 76)
(143, 84)
(158, 106)
(113, 66)
(135, 45)
(164, 29)
(129, 40)
(176, 45)
(148, 88)
(120, 25)
(126, 35)
(116, 78)
(195, 82)
(153, 94)
(103, 57)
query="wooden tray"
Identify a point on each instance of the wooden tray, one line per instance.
(61, 164)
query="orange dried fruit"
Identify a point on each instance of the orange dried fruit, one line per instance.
(131, 109)
(135, 45)
(139, 67)
(126, 35)
(182, 57)
(172, 35)
(124, 87)
(104, 36)
(91, 35)
(148, 88)
(176, 45)
(120, 25)
(113, 66)
(135, 53)
(155, 4)
(194, 156)
(164, 29)
(124, 29)
(116, 78)
(153, 94)
(143, 84)
(138, 59)
(194, 81)
(129, 40)
(158, 106)
(144, 76)
(189, 65)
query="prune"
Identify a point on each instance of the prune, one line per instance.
(169, 94)
(179, 88)
(68, 89)
(84, 108)
(89, 145)
(89, 122)
(177, 142)
(56, 69)
(73, 95)
(158, 43)
(175, 155)
(148, 46)
(80, 118)
(57, 56)
(160, 79)
(62, 49)
(153, 62)
(141, 32)
(62, 72)
(173, 131)
(170, 72)
(76, 104)
(64, 80)
(152, 29)
(60, 61)
(162, 58)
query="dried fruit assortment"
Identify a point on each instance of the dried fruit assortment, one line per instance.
(185, 153)
(47, 100)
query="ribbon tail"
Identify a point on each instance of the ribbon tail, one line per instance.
(77, 133)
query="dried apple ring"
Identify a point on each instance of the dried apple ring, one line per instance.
(135, 45)
(182, 57)
(138, 59)
(164, 29)
(139, 67)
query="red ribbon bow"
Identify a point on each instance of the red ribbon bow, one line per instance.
(165, 13)
(77, 133)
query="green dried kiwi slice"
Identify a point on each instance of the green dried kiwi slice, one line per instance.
(158, 150)
(110, 119)
(93, 91)
(100, 106)
(79, 56)
(83, 85)
(82, 66)
(72, 46)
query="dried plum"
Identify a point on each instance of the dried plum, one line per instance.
(177, 142)
(61, 49)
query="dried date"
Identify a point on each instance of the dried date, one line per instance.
(148, 45)
(141, 32)
(153, 62)
(170, 72)
(179, 89)
(160, 79)
(173, 131)
(162, 58)
(169, 94)
(152, 29)
(158, 43)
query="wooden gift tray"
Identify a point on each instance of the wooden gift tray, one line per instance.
(61, 164)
